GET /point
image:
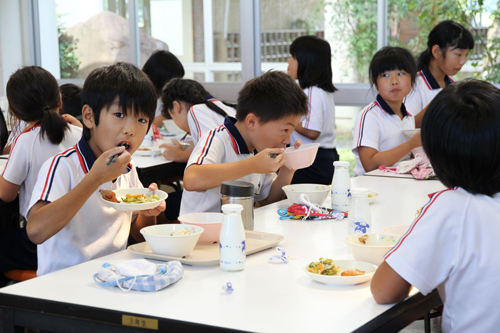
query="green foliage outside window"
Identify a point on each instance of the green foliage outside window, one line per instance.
(68, 61)
(355, 22)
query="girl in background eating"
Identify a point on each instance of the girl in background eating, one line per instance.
(193, 110)
(447, 50)
(311, 64)
(378, 130)
(34, 98)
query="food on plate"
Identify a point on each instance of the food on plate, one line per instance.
(363, 239)
(140, 198)
(143, 149)
(370, 195)
(323, 267)
(183, 232)
(352, 272)
(109, 196)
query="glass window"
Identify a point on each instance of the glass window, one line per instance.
(182, 27)
(88, 34)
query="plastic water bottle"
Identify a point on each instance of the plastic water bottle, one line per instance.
(341, 186)
(232, 245)
(359, 220)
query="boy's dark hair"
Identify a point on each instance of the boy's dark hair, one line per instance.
(390, 58)
(271, 96)
(461, 136)
(126, 82)
(71, 100)
(314, 57)
(161, 67)
(33, 95)
(188, 91)
(446, 34)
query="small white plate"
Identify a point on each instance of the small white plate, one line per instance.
(150, 152)
(345, 280)
(128, 207)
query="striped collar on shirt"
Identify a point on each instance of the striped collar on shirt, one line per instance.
(431, 81)
(235, 134)
(384, 106)
(87, 157)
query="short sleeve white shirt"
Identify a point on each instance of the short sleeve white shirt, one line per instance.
(424, 91)
(378, 127)
(202, 119)
(453, 246)
(29, 151)
(97, 229)
(321, 118)
(222, 145)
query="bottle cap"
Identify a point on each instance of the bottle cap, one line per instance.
(232, 208)
(359, 190)
(236, 189)
(341, 163)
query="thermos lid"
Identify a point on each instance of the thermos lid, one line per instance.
(237, 189)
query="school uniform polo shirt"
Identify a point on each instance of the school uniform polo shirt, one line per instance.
(29, 152)
(424, 91)
(321, 118)
(97, 229)
(223, 144)
(378, 127)
(202, 119)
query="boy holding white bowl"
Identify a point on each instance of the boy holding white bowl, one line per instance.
(268, 110)
(67, 218)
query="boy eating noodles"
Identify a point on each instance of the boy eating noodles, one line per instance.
(68, 219)
(453, 243)
(268, 110)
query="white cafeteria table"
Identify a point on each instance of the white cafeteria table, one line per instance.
(267, 297)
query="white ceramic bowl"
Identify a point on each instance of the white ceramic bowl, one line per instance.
(128, 207)
(373, 196)
(396, 229)
(410, 132)
(210, 222)
(161, 242)
(317, 193)
(302, 157)
(344, 265)
(184, 144)
(377, 245)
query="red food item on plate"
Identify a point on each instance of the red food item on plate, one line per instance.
(109, 196)
(352, 272)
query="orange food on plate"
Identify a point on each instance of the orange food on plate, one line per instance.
(352, 272)
(143, 149)
(109, 195)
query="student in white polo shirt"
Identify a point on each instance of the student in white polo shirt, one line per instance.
(269, 108)
(378, 130)
(311, 64)
(34, 99)
(452, 245)
(447, 50)
(68, 219)
(193, 110)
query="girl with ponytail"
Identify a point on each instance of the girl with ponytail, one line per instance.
(447, 51)
(193, 110)
(34, 98)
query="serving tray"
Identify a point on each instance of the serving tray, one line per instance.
(208, 255)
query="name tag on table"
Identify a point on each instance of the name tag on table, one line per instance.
(141, 322)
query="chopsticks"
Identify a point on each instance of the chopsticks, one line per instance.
(113, 158)
(184, 136)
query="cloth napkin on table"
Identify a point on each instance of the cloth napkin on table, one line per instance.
(139, 274)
